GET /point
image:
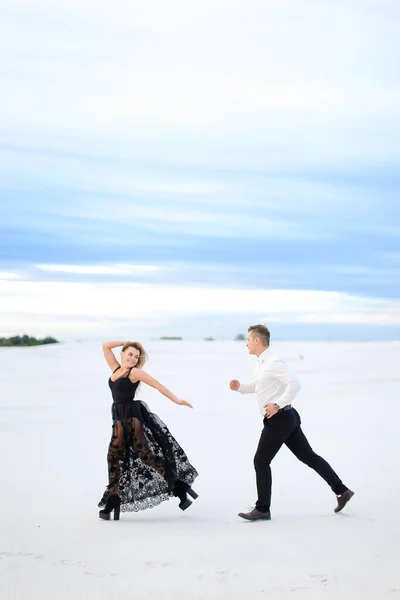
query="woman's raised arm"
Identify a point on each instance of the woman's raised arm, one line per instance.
(109, 354)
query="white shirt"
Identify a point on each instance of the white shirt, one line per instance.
(272, 382)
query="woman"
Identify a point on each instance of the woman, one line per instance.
(146, 465)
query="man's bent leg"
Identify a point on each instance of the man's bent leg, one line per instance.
(299, 445)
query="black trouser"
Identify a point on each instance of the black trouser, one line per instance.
(284, 428)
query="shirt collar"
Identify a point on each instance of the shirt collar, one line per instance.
(263, 356)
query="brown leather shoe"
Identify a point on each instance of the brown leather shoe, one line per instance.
(256, 515)
(342, 500)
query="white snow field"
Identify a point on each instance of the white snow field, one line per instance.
(55, 424)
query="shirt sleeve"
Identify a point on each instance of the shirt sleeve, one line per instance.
(282, 373)
(247, 388)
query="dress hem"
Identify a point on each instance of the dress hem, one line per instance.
(139, 505)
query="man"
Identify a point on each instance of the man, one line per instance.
(276, 388)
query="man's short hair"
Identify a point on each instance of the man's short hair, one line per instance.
(260, 331)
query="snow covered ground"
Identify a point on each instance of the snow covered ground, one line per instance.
(54, 432)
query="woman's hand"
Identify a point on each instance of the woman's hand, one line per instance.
(184, 403)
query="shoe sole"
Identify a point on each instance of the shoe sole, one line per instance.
(246, 518)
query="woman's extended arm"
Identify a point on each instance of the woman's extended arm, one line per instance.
(109, 354)
(139, 375)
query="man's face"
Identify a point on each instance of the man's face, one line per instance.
(251, 343)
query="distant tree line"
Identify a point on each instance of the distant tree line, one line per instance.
(26, 340)
(239, 338)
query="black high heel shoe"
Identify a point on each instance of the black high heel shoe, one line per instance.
(104, 499)
(113, 504)
(192, 493)
(181, 489)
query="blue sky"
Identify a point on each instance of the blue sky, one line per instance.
(191, 168)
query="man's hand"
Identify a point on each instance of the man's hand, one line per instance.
(270, 410)
(234, 385)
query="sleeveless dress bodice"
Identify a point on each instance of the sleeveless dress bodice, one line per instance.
(122, 389)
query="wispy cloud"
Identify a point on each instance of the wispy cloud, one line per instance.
(149, 301)
(102, 269)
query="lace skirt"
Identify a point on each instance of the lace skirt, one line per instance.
(145, 462)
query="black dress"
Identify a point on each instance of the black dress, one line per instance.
(145, 463)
